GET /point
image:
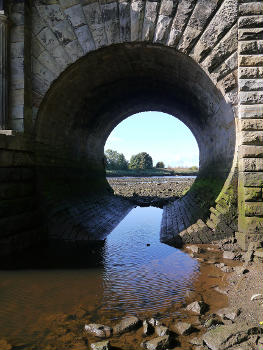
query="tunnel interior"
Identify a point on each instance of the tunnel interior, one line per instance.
(93, 96)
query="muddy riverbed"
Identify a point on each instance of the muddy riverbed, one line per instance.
(154, 191)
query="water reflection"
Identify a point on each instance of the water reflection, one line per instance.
(140, 273)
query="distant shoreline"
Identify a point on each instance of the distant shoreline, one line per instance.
(151, 172)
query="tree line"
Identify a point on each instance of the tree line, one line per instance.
(117, 161)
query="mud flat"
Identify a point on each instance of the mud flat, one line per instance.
(154, 191)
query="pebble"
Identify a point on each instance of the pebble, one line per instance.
(102, 345)
(147, 328)
(161, 330)
(184, 328)
(126, 325)
(160, 343)
(198, 307)
(98, 330)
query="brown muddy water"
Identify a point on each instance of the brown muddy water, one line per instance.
(133, 274)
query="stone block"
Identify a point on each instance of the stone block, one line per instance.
(251, 97)
(251, 164)
(253, 8)
(254, 111)
(251, 124)
(251, 179)
(250, 151)
(251, 225)
(250, 21)
(251, 84)
(253, 194)
(75, 15)
(251, 61)
(162, 29)
(252, 138)
(111, 21)
(125, 20)
(137, 15)
(250, 72)
(244, 239)
(250, 34)
(228, 83)
(254, 209)
(250, 47)
(150, 17)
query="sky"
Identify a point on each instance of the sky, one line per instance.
(161, 135)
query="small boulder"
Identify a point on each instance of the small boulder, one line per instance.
(102, 345)
(126, 325)
(195, 249)
(228, 313)
(154, 322)
(98, 330)
(212, 322)
(161, 330)
(147, 328)
(229, 255)
(159, 343)
(184, 328)
(198, 307)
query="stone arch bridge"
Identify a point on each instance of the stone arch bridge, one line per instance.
(71, 70)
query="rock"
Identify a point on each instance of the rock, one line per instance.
(147, 328)
(229, 255)
(160, 343)
(257, 297)
(195, 249)
(198, 307)
(126, 325)
(154, 322)
(102, 345)
(248, 256)
(212, 322)
(161, 330)
(196, 341)
(227, 269)
(98, 330)
(184, 328)
(4, 345)
(224, 337)
(228, 313)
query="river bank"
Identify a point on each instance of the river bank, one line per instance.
(154, 191)
(152, 172)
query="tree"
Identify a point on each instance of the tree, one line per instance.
(115, 160)
(159, 165)
(141, 161)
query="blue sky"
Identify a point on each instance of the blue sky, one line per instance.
(161, 135)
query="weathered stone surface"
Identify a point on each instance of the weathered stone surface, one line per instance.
(223, 337)
(137, 12)
(125, 20)
(252, 138)
(98, 330)
(251, 61)
(161, 330)
(250, 34)
(126, 325)
(253, 194)
(251, 47)
(219, 25)
(183, 12)
(251, 97)
(251, 84)
(251, 164)
(160, 343)
(254, 209)
(150, 17)
(198, 307)
(250, 21)
(229, 314)
(254, 111)
(253, 8)
(252, 179)
(250, 72)
(103, 345)
(253, 125)
(184, 328)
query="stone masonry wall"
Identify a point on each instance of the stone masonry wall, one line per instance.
(250, 75)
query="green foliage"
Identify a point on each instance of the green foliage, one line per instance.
(141, 161)
(194, 168)
(159, 165)
(115, 160)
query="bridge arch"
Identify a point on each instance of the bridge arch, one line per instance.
(100, 90)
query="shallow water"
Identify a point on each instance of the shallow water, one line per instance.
(137, 275)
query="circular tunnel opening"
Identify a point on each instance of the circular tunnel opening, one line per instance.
(152, 158)
(100, 90)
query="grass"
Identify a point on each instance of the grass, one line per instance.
(152, 172)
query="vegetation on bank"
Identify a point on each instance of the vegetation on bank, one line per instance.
(141, 165)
